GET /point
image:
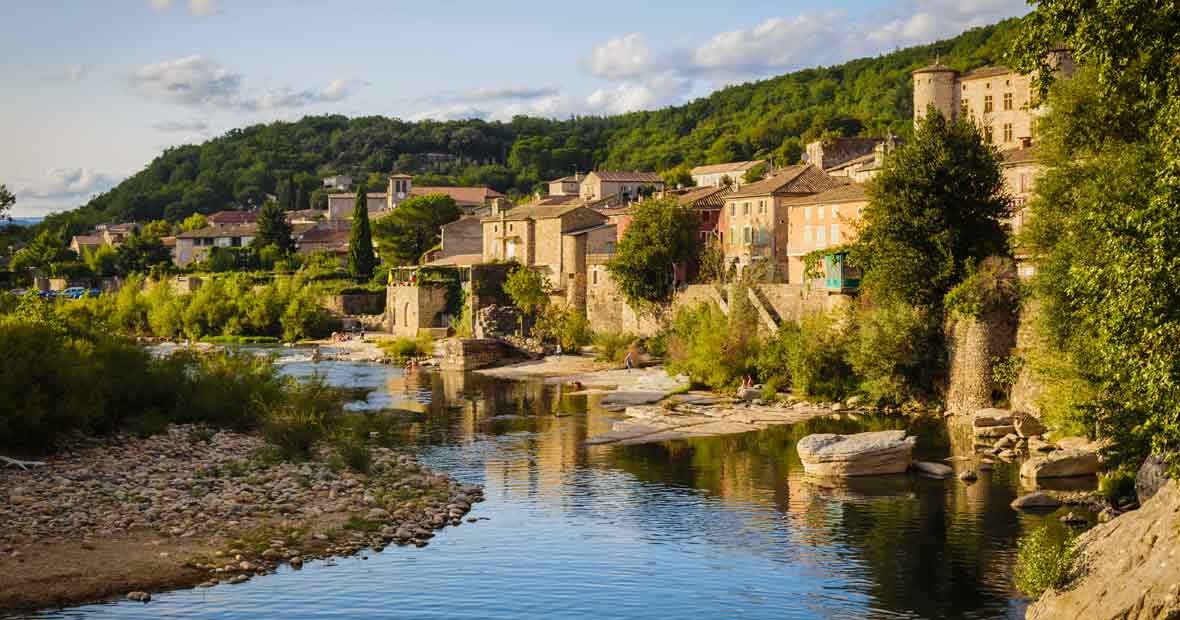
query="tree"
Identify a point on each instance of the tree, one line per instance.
(680, 176)
(274, 229)
(413, 228)
(157, 229)
(361, 261)
(139, 253)
(662, 235)
(755, 174)
(42, 252)
(528, 290)
(936, 208)
(6, 201)
(1104, 216)
(193, 222)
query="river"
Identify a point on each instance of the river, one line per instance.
(725, 527)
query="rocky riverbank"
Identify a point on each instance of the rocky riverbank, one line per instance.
(690, 415)
(194, 507)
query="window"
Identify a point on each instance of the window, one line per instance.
(806, 213)
(495, 228)
(819, 235)
(1007, 132)
(747, 235)
(762, 206)
(835, 212)
(594, 277)
(987, 134)
(835, 233)
(1007, 101)
(732, 235)
(1023, 183)
(733, 208)
(988, 106)
(745, 208)
(806, 234)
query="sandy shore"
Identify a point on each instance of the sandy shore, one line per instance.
(191, 507)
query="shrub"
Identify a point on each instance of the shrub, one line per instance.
(1117, 484)
(402, 348)
(612, 348)
(990, 287)
(308, 414)
(712, 349)
(896, 353)
(819, 368)
(565, 326)
(1043, 559)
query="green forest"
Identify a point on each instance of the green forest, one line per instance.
(770, 118)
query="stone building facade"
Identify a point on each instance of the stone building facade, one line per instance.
(413, 309)
(820, 221)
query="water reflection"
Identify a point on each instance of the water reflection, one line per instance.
(709, 527)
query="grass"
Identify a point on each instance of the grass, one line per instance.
(612, 348)
(240, 339)
(1043, 560)
(402, 348)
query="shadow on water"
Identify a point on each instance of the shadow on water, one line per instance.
(714, 527)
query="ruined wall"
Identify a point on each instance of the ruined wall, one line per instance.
(471, 353)
(608, 312)
(356, 303)
(971, 343)
(1027, 391)
(411, 308)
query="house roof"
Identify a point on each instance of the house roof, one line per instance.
(985, 72)
(400, 175)
(324, 235)
(935, 68)
(852, 162)
(469, 196)
(458, 260)
(557, 200)
(567, 179)
(703, 197)
(733, 166)
(1021, 155)
(851, 192)
(232, 217)
(310, 214)
(381, 195)
(212, 232)
(588, 229)
(802, 179)
(627, 177)
(87, 240)
(301, 228)
(534, 212)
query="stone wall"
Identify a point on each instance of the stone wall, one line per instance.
(472, 353)
(356, 303)
(412, 308)
(971, 343)
(1028, 390)
(608, 312)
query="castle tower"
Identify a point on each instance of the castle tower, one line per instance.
(935, 84)
(399, 189)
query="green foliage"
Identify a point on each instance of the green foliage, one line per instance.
(1005, 372)
(361, 259)
(566, 326)
(680, 176)
(273, 228)
(662, 234)
(755, 174)
(990, 288)
(713, 349)
(1043, 559)
(710, 263)
(818, 358)
(896, 353)
(413, 228)
(1117, 484)
(42, 252)
(612, 347)
(402, 348)
(6, 201)
(1103, 216)
(936, 205)
(296, 423)
(195, 221)
(103, 260)
(527, 289)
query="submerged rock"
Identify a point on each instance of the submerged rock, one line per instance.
(861, 454)
(1040, 499)
(1060, 464)
(1126, 569)
(934, 470)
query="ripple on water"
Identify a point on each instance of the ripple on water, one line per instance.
(721, 527)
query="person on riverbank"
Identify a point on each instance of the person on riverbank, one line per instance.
(629, 361)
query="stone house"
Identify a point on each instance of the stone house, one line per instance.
(723, 175)
(411, 309)
(550, 238)
(340, 206)
(338, 182)
(566, 186)
(103, 234)
(754, 224)
(462, 243)
(193, 245)
(708, 202)
(231, 218)
(824, 220)
(626, 185)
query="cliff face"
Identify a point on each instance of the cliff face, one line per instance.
(1129, 568)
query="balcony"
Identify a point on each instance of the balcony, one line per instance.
(839, 277)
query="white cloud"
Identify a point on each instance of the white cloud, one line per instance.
(192, 125)
(160, 6)
(621, 58)
(774, 44)
(453, 112)
(65, 184)
(74, 73)
(659, 91)
(199, 82)
(202, 8)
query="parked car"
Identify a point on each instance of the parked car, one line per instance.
(47, 294)
(74, 292)
(19, 291)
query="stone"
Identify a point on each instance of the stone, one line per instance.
(934, 470)
(991, 417)
(1036, 444)
(242, 578)
(1039, 499)
(861, 454)
(1151, 477)
(748, 394)
(1072, 518)
(994, 431)
(1060, 464)
(1027, 426)
(968, 476)
(378, 514)
(142, 597)
(296, 562)
(1131, 570)
(1006, 442)
(245, 566)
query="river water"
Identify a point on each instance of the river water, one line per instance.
(724, 527)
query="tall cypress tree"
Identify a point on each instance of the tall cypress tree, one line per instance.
(361, 261)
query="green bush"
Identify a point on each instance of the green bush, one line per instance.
(565, 326)
(402, 348)
(309, 413)
(896, 352)
(612, 348)
(819, 367)
(990, 287)
(1117, 484)
(712, 349)
(1043, 559)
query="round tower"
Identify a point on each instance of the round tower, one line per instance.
(935, 85)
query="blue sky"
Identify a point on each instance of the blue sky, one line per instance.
(95, 90)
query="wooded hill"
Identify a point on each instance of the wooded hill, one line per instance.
(773, 117)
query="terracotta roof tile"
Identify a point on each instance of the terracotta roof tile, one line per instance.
(985, 72)
(802, 179)
(935, 68)
(212, 232)
(628, 177)
(852, 192)
(735, 166)
(465, 196)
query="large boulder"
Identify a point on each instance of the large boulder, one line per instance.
(1060, 464)
(1027, 426)
(862, 454)
(1152, 476)
(1126, 569)
(991, 417)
